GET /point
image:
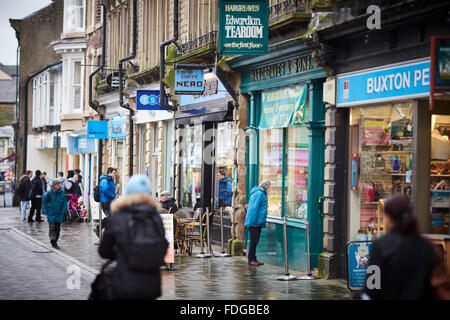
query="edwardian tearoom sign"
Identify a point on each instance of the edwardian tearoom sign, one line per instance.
(243, 26)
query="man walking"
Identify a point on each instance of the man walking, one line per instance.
(256, 218)
(35, 195)
(107, 194)
(54, 206)
(23, 192)
(225, 189)
(61, 177)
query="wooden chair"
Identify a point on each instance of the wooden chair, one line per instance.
(193, 234)
(164, 211)
(181, 229)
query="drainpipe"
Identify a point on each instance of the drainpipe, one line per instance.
(124, 105)
(91, 104)
(16, 133)
(162, 57)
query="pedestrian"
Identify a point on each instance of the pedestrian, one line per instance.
(167, 202)
(23, 191)
(54, 205)
(79, 187)
(405, 260)
(45, 181)
(35, 195)
(107, 195)
(61, 177)
(135, 217)
(225, 189)
(70, 186)
(80, 177)
(256, 217)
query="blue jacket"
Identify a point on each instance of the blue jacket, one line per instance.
(225, 191)
(55, 208)
(107, 189)
(257, 208)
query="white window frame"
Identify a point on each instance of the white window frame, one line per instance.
(71, 11)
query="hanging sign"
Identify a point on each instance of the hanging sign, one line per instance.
(149, 100)
(189, 82)
(112, 80)
(118, 127)
(358, 254)
(97, 129)
(440, 67)
(243, 26)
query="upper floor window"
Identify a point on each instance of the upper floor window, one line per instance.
(74, 17)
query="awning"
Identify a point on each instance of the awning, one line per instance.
(281, 108)
(9, 158)
(214, 110)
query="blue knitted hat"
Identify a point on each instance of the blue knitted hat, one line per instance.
(138, 184)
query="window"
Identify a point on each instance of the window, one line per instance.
(169, 156)
(74, 16)
(271, 165)
(76, 85)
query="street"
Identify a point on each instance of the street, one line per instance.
(31, 269)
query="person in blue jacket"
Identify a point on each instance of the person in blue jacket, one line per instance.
(225, 189)
(255, 218)
(54, 205)
(107, 194)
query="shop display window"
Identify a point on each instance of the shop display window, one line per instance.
(380, 163)
(270, 167)
(191, 165)
(224, 163)
(296, 184)
(440, 175)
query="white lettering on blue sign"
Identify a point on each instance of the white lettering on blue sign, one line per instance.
(411, 80)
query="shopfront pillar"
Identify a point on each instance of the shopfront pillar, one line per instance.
(316, 128)
(252, 147)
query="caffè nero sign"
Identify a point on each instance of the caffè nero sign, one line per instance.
(244, 26)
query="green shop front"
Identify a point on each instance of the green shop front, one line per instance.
(285, 130)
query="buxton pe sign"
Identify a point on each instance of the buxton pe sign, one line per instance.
(97, 129)
(149, 100)
(189, 82)
(243, 26)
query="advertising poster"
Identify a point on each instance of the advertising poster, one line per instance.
(168, 227)
(374, 132)
(358, 254)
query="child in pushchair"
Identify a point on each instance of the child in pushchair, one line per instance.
(75, 209)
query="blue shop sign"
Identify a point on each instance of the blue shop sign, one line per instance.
(97, 129)
(118, 128)
(81, 144)
(189, 82)
(408, 80)
(149, 100)
(358, 254)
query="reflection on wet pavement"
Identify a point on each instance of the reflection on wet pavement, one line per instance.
(194, 278)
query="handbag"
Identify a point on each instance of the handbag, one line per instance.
(101, 288)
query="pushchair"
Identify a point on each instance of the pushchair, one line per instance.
(75, 209)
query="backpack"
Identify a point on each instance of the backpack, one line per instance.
(21, 189)
(147, 245)
(97, 191)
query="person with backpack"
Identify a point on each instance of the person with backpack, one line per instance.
(105, 193)
(23, 191)
(135, 238)
(54, 205)
(70, 186)
(35, 195)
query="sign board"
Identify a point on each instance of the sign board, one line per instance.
(97, 129)
(149, 100)
(440, 67)
(397, 82)
(189, 82)
(118, 127)
(243, 26)
(168, 227)
(358, 254)
(112, 80)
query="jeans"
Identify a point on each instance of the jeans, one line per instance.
(23, 209)
(255, 232)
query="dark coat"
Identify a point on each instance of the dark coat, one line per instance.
(115, 244)
(37, 189)
(405, 263)
(27, 183)
(170, 204)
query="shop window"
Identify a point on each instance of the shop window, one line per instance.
(380, 163)
(191, 177)
(270, 167)
(296, 188)
(224, 163)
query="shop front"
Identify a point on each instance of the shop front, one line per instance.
(204, 130)
(285, 130)
(396, 145)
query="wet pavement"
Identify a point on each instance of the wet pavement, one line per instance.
(193, 278)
